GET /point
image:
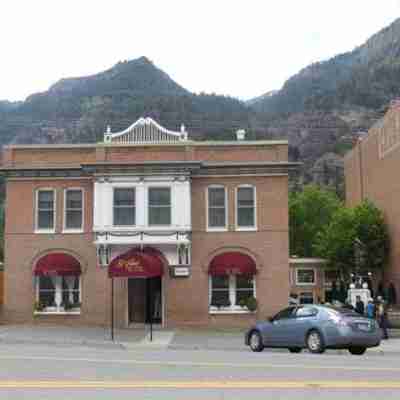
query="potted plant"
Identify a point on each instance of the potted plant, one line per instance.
(251, 303)
(243, 303)
(39, 306)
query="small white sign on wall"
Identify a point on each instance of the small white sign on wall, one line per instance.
(178, 272)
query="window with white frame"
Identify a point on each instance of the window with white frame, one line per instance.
(305, 276)
(45, 209)
(159, 206)
(58, 294)
(246, 207)
(73, 209)
(217, 208)
(230, 292)
(124, 207)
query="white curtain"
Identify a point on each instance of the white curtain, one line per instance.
(70, 282)
(56, 281)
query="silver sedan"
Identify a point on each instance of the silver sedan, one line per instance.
(317, 328)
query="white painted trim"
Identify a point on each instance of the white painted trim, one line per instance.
(227, 310)
(36, 210)
(65, 229)
(217, 229)
(251, 228)
(57, 312)
(145, 130)
(306, 269)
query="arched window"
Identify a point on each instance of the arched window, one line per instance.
(232, 282)
(58, 284)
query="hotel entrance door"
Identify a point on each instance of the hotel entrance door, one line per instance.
(144, 300)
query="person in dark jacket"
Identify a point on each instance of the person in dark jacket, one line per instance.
(381, 313)
(359, 305)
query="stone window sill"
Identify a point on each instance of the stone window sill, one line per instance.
(228, 310)
(72, 312)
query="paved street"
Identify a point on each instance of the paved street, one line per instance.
(39, 371)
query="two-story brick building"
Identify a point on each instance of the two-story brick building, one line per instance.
(180, 231)
(371, 170)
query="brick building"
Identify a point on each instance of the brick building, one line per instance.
(371, 170)
(182, 232)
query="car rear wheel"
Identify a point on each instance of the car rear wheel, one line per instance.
(255, 341)
(315, 343)
(357, 351)
(295, 349)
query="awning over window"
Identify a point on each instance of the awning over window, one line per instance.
(136, 263)
(232, 262)
(61, 264)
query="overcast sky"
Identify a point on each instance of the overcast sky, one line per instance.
(240, 48)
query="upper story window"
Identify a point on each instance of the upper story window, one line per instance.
(159, 206)
(45, 209)
(305, 276)
(73, 209)
(246, 207)
(217, 208)
(124, 207)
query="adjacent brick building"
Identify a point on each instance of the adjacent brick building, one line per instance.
(186, 230)
(371, 172)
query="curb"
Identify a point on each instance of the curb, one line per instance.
(84, 343)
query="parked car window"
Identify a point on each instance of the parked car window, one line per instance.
(285, 313)
(302, 312)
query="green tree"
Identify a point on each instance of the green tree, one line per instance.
(309, 212)
(356, 239)
(1, 232)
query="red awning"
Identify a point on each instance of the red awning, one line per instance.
(232, 262)
(136, 263)
(57, 264)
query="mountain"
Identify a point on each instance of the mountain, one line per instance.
(320, 110)
(79, 109)
(323, 107)
(365, 78)
(256, 100)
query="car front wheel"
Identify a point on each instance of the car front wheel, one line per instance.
(255, 342)
(357, 351)
(315, 342)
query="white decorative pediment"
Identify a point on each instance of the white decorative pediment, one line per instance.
(145, 130)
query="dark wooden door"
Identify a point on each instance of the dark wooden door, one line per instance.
(137, 299)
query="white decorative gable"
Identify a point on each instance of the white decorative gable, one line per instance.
(145, 130)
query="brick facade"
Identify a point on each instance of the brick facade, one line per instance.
(371, 172)
(185, 300)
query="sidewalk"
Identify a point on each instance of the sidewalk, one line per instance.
(134, 339)
(80, 336)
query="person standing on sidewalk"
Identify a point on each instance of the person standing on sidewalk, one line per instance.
(382, 317)
(371, 309)
(359, 305)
